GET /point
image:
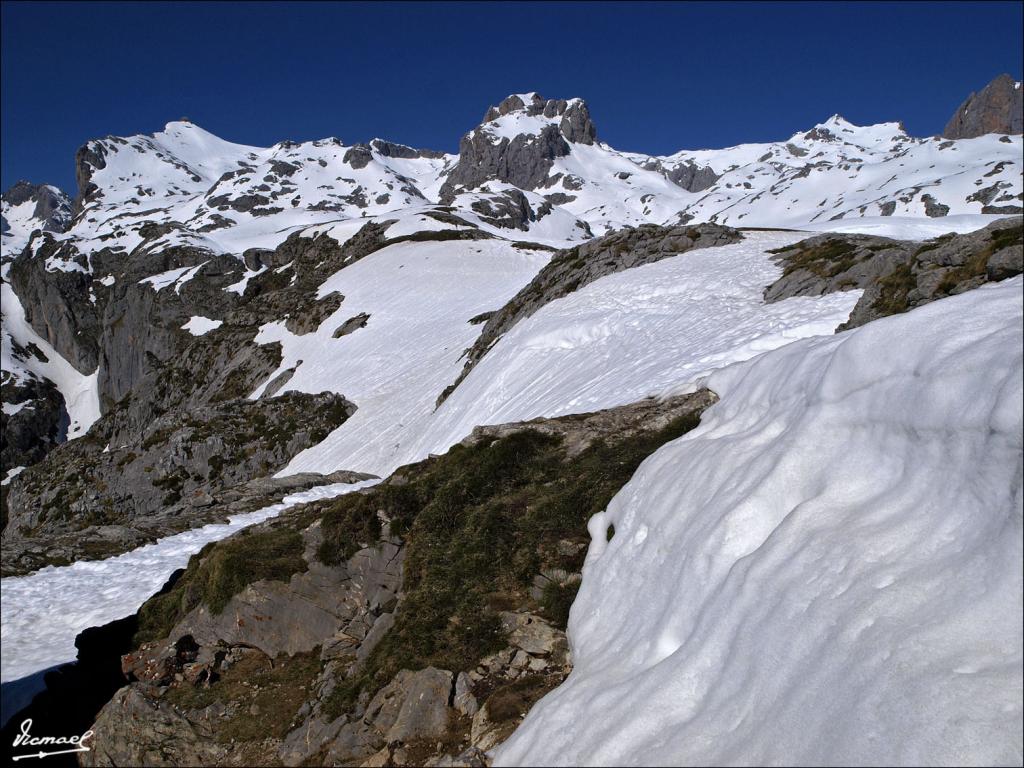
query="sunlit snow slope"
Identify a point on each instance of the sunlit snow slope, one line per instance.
(615, 341)
(827, 571)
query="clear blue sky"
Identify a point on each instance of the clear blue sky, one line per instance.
(658, 77)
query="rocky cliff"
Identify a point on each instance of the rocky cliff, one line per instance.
(996, 108)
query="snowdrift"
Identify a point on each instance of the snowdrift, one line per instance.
(827, 571)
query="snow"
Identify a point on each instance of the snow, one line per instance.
(249, 274)
(200, 326)
(12, 473)
(9, 409)
(172, 277)
(612, 342)
(828, 571)
(44, 611)
(645, 331)
(906, 227)
(186, 177)
(420, 297)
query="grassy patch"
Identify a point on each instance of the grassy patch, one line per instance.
(346, 527)
(894, 287)
(510, 701)
(556, 601)
(931, 245)
(825, 259)
(480, 522)
(220, 571)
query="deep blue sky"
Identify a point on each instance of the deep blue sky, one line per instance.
(658, 77)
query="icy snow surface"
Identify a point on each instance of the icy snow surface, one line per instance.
(44, 611)
(615, 341)
(826, 571)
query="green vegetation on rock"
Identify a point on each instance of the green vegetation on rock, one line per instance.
(221, 570)
(479, 523)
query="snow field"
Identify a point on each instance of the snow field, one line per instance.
(827, 571)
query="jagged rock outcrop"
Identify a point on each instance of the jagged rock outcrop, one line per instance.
(142, 319)
(996, 108)
(688, 175)
(898, 275)
(573, 268)
(54, 285)
(51, 207)
(32, 424)
(125, 316)
(391, 149)
(94, 497)
(89, 158)
(525, 159)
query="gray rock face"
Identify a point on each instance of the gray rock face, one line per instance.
(142, 324)
(524, 161)
(89, 158)
(424, 710)
(57, 304)
(329, 606)
(135, 729)
(127, 329)
(82, 501)
(423, 715)
(390, 149)
(576, 267)
(898, 275)
(997, 108)
(36, 428)
(510, 209)
(580, 431)
(688, 175)
(350, 325)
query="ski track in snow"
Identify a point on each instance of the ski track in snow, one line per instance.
(827, 571)
(44, 611)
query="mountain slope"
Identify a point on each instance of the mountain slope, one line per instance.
(264, 327)
(845, 578)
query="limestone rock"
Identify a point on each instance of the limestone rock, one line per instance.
(898, 275)
(997, 108)
(424, 712)
(136, 730)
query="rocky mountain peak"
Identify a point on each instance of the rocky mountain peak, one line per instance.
(997, 108)
(518, 142)
(575, 125)
(47, 207)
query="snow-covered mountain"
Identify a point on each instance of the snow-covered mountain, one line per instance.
(533, 165)
(339, 345)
